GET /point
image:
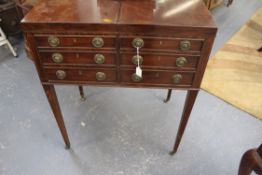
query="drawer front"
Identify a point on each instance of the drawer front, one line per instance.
(161, 61)
(75, 58)
(171, 44)
(87, 75)
(53, 41)
(155, 77)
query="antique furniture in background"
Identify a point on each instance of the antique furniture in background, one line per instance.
(174, 39)
(26, 5)
(10, 16)
(251, 162)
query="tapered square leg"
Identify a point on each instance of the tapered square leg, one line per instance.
(189, 103)
(169, 93)
(82, 94)
(53, 101)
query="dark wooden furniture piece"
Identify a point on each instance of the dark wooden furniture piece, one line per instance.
(10, 16)
(26, 5)
(251, 161)
(94, 43)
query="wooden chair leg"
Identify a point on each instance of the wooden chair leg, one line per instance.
(258, 168)
(82, 94)
(251, 161)
(168, 96)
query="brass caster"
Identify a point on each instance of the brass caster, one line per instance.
(172, 153)
(166, 100)
(67, 147)
(83, 99)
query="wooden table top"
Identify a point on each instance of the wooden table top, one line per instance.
(190, 13)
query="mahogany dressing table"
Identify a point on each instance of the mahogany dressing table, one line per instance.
(95, 42)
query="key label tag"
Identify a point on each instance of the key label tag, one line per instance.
(138, 68)
(139, 71)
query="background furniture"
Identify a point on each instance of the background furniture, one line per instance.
(10, 16)
(4, 41)
(26, 5)
(100, 49)
(251, 161)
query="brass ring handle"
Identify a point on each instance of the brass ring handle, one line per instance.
(60, 74)
(185, 45)
(99, 59)
(100, 76)
(136, 58)
(53, 41)
(136, 78)
(181, 61)
(57, 57)
(177, 78)
(138, 43)
(98, 42)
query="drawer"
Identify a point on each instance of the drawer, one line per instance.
(158, 43)
(158, 77)
(54, 41)
(81, 74)
(75, 58)
(160, 60)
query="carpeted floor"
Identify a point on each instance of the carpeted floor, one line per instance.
(234, 74)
